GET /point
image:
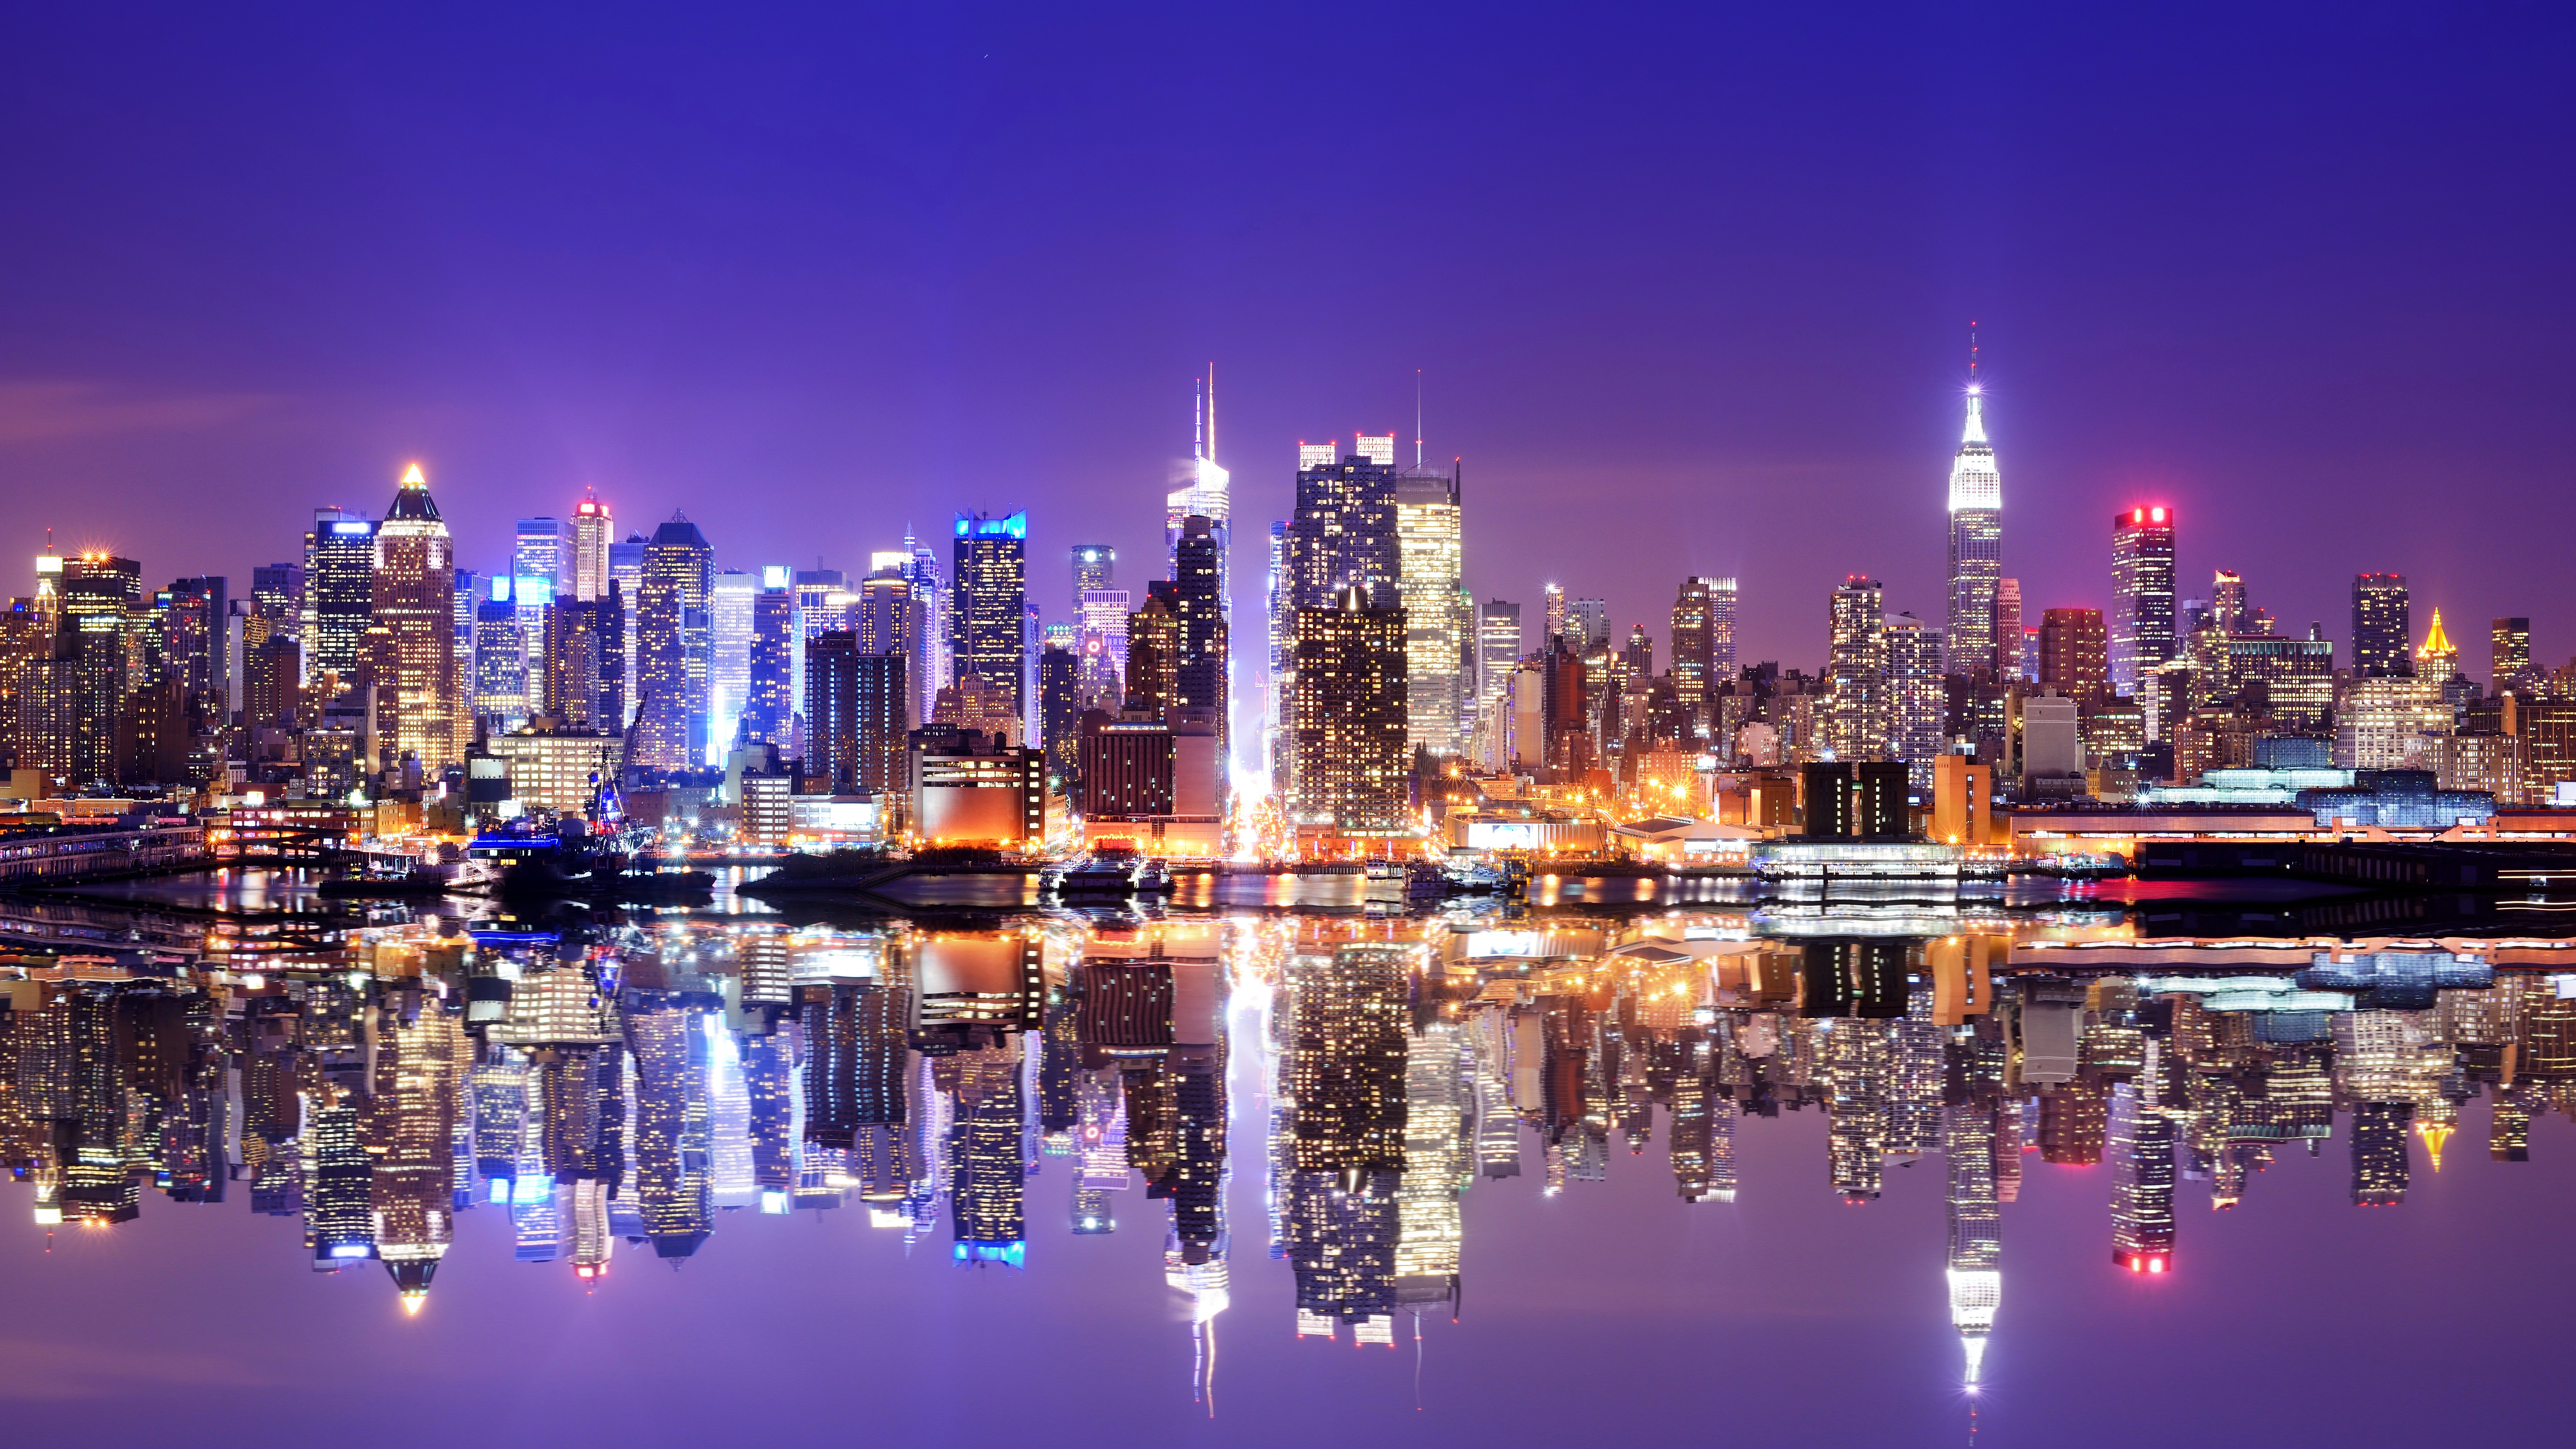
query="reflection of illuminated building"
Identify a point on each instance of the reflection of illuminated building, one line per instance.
(1346, 1063)
(1437, 1167)
(1856, 1065)
(2140, 1146)
(673, 1137)
(2379, 1144)
(411, 1128)
(1976, 1278)
(985, 1201)
(1342, 1231)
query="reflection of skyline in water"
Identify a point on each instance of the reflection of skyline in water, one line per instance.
(643, 1092)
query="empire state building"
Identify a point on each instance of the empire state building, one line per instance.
(1976, 547)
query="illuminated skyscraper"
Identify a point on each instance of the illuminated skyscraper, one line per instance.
(770, 697)
(988, 598)
(1343, 534)
(1498, 650)
(2437, 658)
(540, 572)
(2073, 655)
(1346, 723)
(593, 532)
(1695, 670)
(1201, 671)
(2509, 654)
(1976, 545)
(418, 705)
(933, 666)
(626, 570)
(1095, 566)
(339, 596)
(2009, 667)
(2142, 594)
(672, 647)
(1555, 614)
(1437, 649)
(1855, 726)
(1208, 494)
(729, 606)
(2382, 631)
(1916, 702)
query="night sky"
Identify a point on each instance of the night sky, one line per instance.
(1688, 290)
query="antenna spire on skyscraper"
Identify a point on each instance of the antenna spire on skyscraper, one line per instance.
(1972, 354)
(1417, 420)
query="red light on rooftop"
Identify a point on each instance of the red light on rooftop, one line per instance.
(2158, 514)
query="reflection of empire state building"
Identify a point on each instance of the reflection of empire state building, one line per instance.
(1976, 1253)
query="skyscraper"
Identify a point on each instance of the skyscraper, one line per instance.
(540, 568)
(1916, 702)
(1343, 534)
(1855, 671)
(1498, 649)
(2509, 654)
(1703, 630)
(1555, 614)
(417, 700)
(2382, 632)
(1347, 719)
(1976, 545)
(98, 591)
(626, 570)
(1429, 567)
(671, 646)
(932, 664)
(987, 619)
(1095, 566)
(1200, 672)
(585, 683)
(592, 533)
(2142, 594)
(2073, 655)
(729, 607)
(1208, 494)
(2008, 632)
(339, 596)
(858, 710)
(770, 696)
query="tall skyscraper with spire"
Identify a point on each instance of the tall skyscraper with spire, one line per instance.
(414, 634)
(1976, 540)
(1209, 494)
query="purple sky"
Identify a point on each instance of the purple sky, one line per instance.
(1690, 292)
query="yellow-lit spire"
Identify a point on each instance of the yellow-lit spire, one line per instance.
(2435, 1134)
(414, 478)
(2437, 645)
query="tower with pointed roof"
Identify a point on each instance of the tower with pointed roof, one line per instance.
(411, 640)
(1976, 545)
(2438, 658)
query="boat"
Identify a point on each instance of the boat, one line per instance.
(1106, 874)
